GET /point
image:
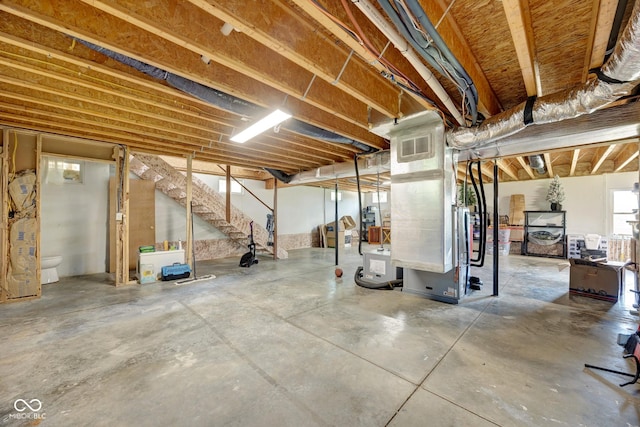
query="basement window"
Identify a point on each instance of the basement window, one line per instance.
(236, 188)
(381, 199)
(63, 171)
(624, 204)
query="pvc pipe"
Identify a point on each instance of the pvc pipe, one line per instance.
(403, 46)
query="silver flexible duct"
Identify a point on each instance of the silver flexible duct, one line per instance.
(618, 77)
(537, 162)
(367, 165)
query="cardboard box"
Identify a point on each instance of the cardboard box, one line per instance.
(597, 280)
(575, 244)
(331, 239)
(331, 226)
(348, 222)
(517, 233)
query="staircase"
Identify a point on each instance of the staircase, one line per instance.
(207, 204)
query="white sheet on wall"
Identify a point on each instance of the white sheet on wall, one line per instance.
(74, 221)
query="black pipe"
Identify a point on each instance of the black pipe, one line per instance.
(496, 255)
(279, 175)
(336, 227)
(355, 159)
(389, 286)
(479, 261)
(615, 29)
(484, 213)
(224, 100)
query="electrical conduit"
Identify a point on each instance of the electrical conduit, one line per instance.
(402, 45)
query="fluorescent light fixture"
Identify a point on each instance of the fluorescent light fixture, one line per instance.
(260, 126)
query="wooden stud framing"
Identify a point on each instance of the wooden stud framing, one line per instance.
(125, 204)
(38, 210)
(121, 156)
(4, 211)
(275, 219)
(190, 242)
(228, 195)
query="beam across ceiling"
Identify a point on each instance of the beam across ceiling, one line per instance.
(155, 50)
(600, 156)
(519, 18)
(525, 167)
(574, 161)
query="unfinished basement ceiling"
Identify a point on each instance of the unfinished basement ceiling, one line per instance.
(308, 57)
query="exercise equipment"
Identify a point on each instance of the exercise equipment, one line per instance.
(249, 258)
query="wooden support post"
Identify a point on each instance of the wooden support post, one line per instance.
(4, 211)
(336, 228)
(38, 210)
(125, 215)
(190, 242)
(121, 156)
(115, 195)
(496, 252)
(636, 258)
(275, 219)
(228, 195)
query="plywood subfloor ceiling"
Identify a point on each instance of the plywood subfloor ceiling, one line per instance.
(297, 54)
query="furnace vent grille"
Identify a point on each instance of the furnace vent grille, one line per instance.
(416, 149)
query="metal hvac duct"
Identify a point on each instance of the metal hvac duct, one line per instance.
(367, 164)
(616, 78)
(537, 162)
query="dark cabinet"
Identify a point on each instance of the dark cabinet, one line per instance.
(368, 220)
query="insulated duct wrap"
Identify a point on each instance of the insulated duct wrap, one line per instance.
(225, 101)
(618, 77)
(369, 164)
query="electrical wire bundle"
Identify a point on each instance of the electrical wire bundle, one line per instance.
(391, 72)
(414, 25)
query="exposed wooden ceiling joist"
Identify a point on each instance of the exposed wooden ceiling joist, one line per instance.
(525, 167)
(504, 167)
(574, 161)
(600, 156)
(549, 164)
(311, 58)
(519, 18)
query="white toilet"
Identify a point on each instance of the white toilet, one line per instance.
(48, 267)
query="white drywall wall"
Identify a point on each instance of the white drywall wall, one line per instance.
(74, 221)
(587, 199)
(300, 209)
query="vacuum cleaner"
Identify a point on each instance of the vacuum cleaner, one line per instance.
(249, 258)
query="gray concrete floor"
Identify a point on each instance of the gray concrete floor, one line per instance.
(286, 343)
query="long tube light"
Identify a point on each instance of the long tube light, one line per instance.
(261, 125)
